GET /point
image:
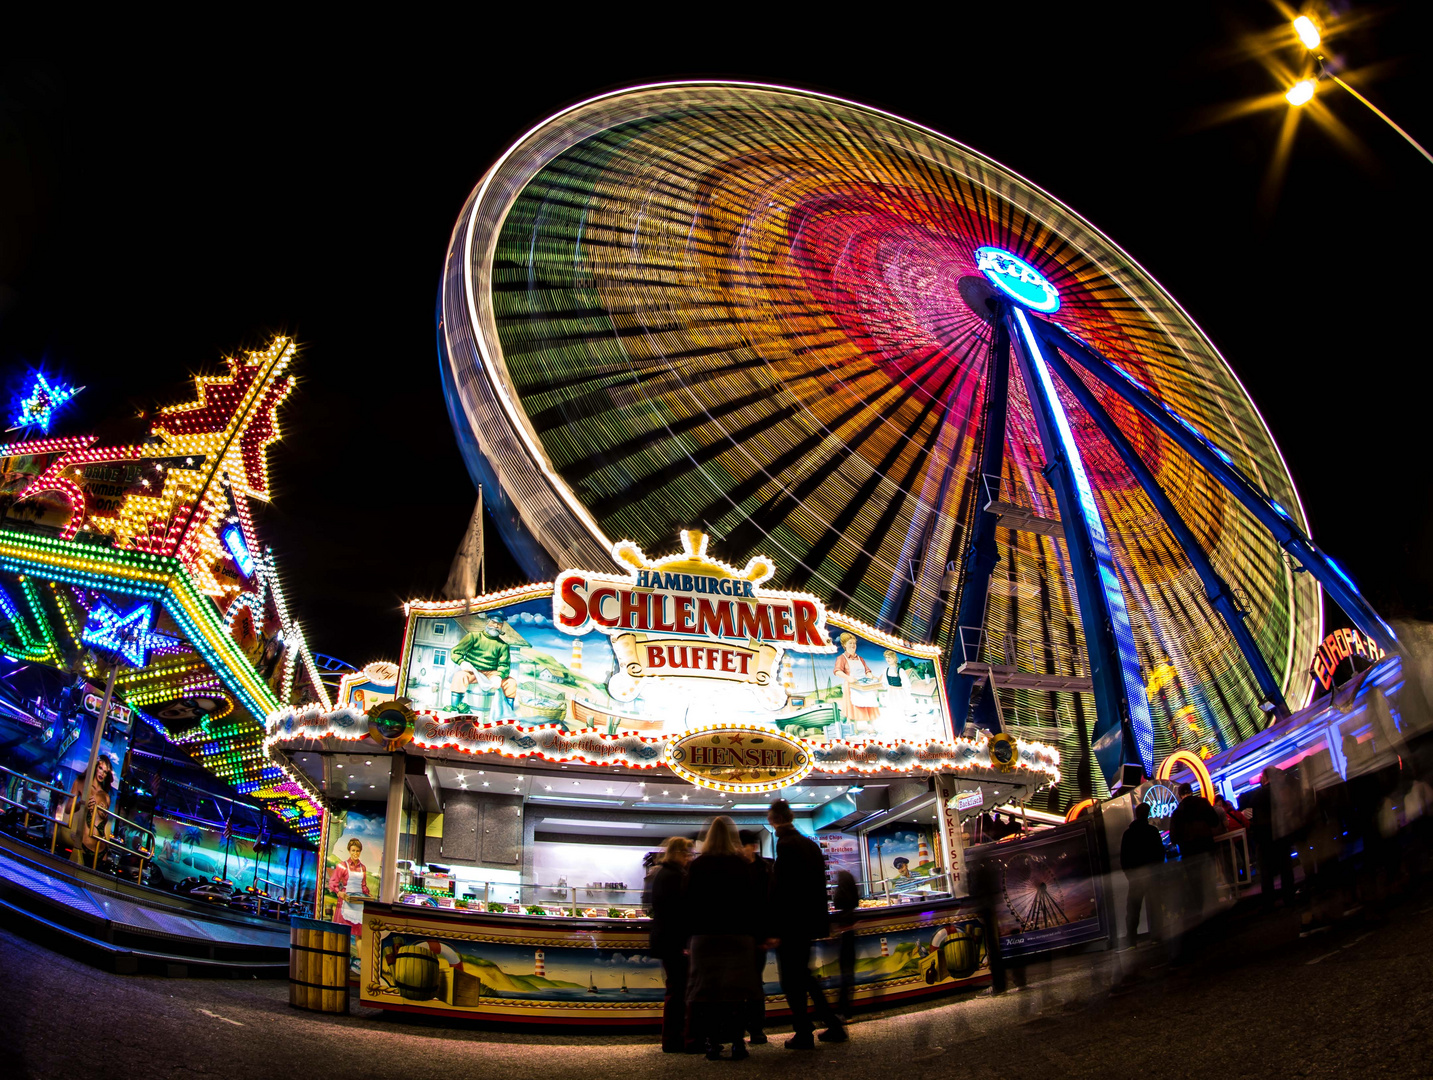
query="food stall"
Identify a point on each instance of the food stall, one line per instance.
(542, 742)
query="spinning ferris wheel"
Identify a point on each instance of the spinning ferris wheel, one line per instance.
(939, 399)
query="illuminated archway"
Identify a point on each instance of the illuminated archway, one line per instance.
(1194, 763)
(1078, 808)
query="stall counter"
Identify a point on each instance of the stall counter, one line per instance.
(599, 971)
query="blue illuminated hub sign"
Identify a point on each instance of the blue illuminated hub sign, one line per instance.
(1017, 279)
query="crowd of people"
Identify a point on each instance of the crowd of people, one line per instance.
(1320, 851)
(715, 918)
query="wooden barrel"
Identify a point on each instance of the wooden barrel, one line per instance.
(415, 973)
(318, 965)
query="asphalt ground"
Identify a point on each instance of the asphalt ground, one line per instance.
(1258, 1000)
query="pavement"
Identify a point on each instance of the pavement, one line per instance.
(1258, 1000)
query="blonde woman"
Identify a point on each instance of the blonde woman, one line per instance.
(669, 939)
(727, 909)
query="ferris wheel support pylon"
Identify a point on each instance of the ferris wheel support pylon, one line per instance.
(1123, 728)
(982, 555)
(1216, 589)
(1268, 513)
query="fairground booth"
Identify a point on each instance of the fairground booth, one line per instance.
(508, 802)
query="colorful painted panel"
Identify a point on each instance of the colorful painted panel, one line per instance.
(1047, 893)
(542, 968)
(190, 849)
(353, 868)
(505, 662)
(902, 854)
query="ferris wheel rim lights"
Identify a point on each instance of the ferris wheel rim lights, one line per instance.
(468, 220)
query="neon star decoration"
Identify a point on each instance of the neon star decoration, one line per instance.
(38, 407)
(132, 634)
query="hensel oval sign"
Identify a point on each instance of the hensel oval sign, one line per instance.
(744, 759)
(1017, 279)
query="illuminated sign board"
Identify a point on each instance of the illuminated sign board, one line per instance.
(690, 616)
(665, 645)
(1017, 279)
(969, 800)
(744, 759)
(1339, 646)
(233, 538)
(117, 712)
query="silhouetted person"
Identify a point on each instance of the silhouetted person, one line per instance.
(727, 911)
(1141, 852)
(1273, 856)
(1192, 827)
(670, 930)
(801, 917)
(761, 870)
(845, 900)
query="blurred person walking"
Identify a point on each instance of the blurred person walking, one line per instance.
(1271, 850)
(761, 869)
(845, 900)
(801, 917)
(1141, 854)
(668, 941)
(1192, 827)
(727, 909)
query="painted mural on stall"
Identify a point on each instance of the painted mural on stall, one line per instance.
(1048, 894)
(353, 869)
(511, 664)
(453, 972)
(189, 849)
(902, 854)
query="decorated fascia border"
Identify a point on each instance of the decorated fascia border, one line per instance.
(289, 727)
(162, 578)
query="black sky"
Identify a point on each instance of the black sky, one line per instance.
(157, 214)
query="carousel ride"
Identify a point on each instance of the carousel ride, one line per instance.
(940, 399)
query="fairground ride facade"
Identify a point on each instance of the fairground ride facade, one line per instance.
(144, 560)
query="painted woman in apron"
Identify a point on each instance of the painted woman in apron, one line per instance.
(860, 690)
(349, 881)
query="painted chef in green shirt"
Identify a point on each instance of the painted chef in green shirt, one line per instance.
(484, 659)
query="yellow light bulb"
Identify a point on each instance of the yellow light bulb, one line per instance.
(1301, 93)
(1308, 33)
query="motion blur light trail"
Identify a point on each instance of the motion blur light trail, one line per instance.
(760, 312)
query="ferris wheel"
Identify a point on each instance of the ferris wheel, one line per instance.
(941, 400)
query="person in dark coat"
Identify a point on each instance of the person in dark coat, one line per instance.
(1141, 851)
(727, 909)
(800, 916)
(1193, 826)
(761, 870)
(845, 900)
(1272, 851)
(668, 941)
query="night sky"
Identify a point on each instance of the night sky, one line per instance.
(157, 215)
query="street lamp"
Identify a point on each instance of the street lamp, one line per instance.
(1308, 33)
(1302, 92)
